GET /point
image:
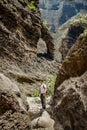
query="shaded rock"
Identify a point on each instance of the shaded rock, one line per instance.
(20, 29)
(63, 39)
(71, 104)
(69, 99)
(49, 42)
(73, 33)
(7, 102)
(75, 63)
(14, 121)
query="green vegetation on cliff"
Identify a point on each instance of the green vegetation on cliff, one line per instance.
(82, 19)
(31, 5)
(45, 23)
(85, 32)
(50, 84)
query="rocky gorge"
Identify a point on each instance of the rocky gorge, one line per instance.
(57, 12)
(27, 55)
(21, 64)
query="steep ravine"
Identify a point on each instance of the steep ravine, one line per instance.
(21, 66)
(57, 12)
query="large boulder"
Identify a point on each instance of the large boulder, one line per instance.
(7, 84)
(44, 121)
(75, 62)
(11, 97)
(71, 104)
(13, 111)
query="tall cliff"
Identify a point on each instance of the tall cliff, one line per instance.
(21, 67)
(58, 12)
(69, 100)
(22, 27)
(77, 27)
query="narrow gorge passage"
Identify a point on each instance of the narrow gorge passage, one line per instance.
(59, 59)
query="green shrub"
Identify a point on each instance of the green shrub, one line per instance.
(85, 32)
(31, 5)
(82, 19)
(46, 24)
(50, 84)
(35, 94)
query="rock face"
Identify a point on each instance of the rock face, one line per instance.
(75, 62)
(13, 112)
(58, 12)
(20, 28)
(71, 8)
(7, 102)
(69, 100)
(49, 11)
(71, 107)
(73, 33)
(67, 35)
(14, 121)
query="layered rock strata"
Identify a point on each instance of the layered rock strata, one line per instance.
(20, 29)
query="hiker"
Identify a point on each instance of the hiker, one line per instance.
(42, 92)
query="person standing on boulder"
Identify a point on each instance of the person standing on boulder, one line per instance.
(42, 92)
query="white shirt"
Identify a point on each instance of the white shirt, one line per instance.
(43, 88)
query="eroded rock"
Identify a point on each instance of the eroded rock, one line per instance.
(71, 104)
(20, 28)
(75, 63)
(14, 121)
(10, 96)
(73, 33)
(69, 100)
(13, 111)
